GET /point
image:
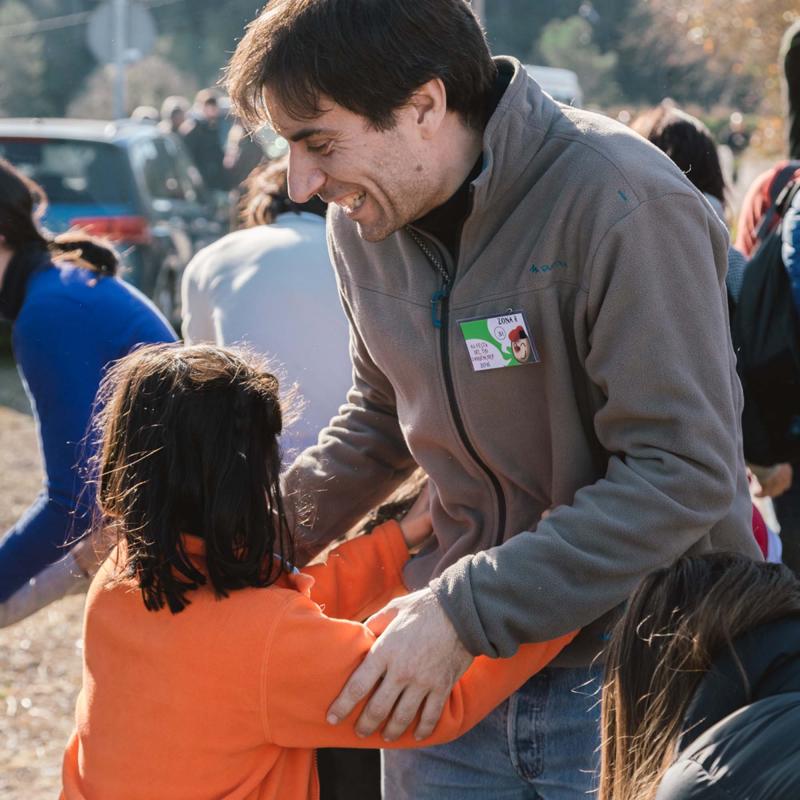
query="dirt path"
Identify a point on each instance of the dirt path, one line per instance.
(40, 657)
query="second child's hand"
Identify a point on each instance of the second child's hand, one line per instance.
(416, 525)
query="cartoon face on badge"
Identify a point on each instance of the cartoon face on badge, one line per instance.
(520, 344)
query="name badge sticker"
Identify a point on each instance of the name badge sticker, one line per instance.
(501, 341)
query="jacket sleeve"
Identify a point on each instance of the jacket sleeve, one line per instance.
(360, 458)
(661, 359)
(312, 656)
(61, 378)
(790, 235)
(362, 575)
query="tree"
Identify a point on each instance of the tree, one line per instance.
(741, 43)
(512, 24)
(568, 44)
(21, 65)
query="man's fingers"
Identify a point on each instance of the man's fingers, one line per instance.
(404, 712)
(431, 713)
(380, 620)
(358, 686)
(378, 708)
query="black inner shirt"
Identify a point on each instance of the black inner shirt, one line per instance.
(446, 221)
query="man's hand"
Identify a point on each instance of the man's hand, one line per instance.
(416, 661)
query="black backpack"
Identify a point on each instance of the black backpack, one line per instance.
(766, 337)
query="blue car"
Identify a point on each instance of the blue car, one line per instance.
(127, 181)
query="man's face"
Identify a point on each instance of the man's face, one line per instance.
(380, 178)
(211, 112)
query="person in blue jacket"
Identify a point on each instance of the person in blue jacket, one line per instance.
(701, 698)
(71, 316)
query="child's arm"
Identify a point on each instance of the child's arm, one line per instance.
(312, 656)
(361, 575)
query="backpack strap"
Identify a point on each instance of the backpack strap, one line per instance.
(780, 189)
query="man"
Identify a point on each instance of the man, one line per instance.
(454, 181)
(202, 137)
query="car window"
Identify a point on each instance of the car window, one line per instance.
(160, 171)
(72, 171)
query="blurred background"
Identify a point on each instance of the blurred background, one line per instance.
(101, 102)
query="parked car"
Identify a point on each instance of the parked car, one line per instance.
(127, 181)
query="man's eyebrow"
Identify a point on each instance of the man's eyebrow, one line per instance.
(304, 133)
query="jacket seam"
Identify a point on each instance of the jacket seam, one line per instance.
(265, 723)
(499, 295)
(389, 294)
(590, 261)
(574, 140)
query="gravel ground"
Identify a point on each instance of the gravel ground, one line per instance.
(40, 665)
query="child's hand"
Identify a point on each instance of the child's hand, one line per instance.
(416, 525)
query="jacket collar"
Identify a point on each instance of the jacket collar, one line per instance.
(768, 657)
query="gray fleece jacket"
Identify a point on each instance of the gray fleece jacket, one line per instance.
(628, 426)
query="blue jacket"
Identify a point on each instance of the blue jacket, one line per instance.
(71, 325)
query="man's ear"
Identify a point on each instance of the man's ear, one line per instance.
(429, 103)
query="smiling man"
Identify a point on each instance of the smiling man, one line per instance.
(453, 178)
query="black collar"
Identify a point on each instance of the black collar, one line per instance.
(446, 221)
(769, 656)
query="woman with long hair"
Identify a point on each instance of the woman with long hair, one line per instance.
(702, 693)
(71, 316)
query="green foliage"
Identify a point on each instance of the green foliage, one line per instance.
(21, 65)
(512, 25)
(568, 44)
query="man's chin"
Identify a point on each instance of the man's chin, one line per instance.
(375, 232)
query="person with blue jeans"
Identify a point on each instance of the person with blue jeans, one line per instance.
(469, 211)
(71, 316)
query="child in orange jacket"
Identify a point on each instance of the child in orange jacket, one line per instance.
(224, 693)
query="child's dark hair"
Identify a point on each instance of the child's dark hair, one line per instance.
(22, 204)
(188, 445)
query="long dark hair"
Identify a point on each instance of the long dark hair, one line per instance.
(188, 445)
(677, 622)
(22, 205)
(688, 142)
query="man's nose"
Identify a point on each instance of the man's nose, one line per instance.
(304, 178)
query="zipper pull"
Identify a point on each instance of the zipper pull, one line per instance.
(436, 301)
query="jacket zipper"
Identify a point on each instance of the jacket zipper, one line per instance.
(440, 315)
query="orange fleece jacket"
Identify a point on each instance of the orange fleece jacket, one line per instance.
(228, 698)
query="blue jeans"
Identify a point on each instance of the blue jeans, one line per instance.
(543, 743)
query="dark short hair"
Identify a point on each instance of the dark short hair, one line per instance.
(688, 142)
(368, 56)
(188, 445)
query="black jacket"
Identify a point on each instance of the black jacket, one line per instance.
(741, 740)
